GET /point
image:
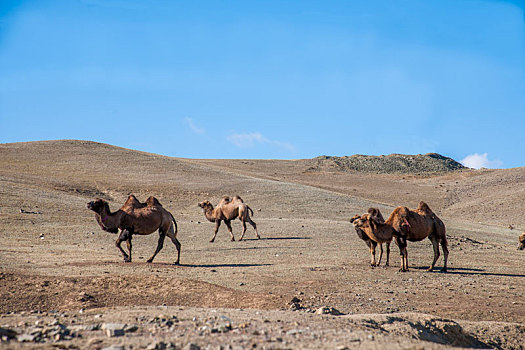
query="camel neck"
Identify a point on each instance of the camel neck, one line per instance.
(106, 219)
(383, 231)
(208, 213)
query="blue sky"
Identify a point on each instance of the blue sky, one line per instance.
(268, 79)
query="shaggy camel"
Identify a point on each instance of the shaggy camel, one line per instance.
(370, 242)
(521, 239)
(409, 225)
(228, 210)
(137, 218)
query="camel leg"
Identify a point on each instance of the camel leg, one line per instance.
(372, 247)
(171, 235)
(401, 242)
(229, 225)
(435, 245)
(251, 222)
(405, 252)
(243, 229)
(444, 246)
(124, 236)
(217, 225)
(160, 244)
(380, 253)
(387, 254)
(128, 243)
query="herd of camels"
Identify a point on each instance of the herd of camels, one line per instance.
(403, 224)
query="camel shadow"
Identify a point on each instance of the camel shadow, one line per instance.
(464, 271)
(230, 249)
(467, 272)
(274, 238)
(223, 265)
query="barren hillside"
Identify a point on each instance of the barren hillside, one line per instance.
(55, 260)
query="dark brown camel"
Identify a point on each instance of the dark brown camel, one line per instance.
(137, 218)
(521, 240)
(370, 242)
(409, 225)
(228, 210)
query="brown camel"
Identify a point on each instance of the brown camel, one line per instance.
(228, 210)
(409, 225)
(370, 242)
(137, 218)
(521, 239)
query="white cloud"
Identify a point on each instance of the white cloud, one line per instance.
(255, 138)
(191, 124)
(478, 161)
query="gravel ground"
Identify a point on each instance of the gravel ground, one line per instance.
(63, 283)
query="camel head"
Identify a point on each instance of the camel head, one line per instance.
(98, 205)
(521, 239)
(361, 222)
(354, 218)
(205, 205)
(207, 209)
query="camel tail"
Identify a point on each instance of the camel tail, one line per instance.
(250, 209)
(174, 222)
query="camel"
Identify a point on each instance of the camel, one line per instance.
(409, 225)
(228, 210)
(137, 218)
(521, 239)
(370, 242)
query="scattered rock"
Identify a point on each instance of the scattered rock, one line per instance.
(87, 327)
(131, 328)
(23, 338)
(23, 211)
(113, 326)
(328, 311)
(114, 332)
(84, 297)
(294, 331)
(162, 346)
(114, 347)
(295, 304)
(114, 329)
(7, 333)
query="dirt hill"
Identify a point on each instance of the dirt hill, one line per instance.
(58, 268)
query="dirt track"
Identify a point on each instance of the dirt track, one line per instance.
(55, 258)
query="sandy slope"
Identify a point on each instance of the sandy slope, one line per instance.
(57, 258)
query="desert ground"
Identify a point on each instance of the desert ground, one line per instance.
(306, 284)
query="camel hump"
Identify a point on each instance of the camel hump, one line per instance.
(132, 201)
(227, 200)
(400, 211)
(237, 199)
(224, 200)
(424, 207)
(152, 201)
